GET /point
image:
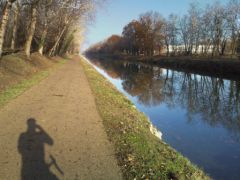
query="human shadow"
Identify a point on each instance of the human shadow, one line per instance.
(31, 147)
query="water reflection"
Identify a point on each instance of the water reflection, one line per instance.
(202, 112)
(215, 99)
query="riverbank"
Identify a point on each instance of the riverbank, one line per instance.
(18, 73)
(217, 67)
(140, 154)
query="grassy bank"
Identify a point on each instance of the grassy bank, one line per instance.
(18, 73)
(140, 154)
(212, 66)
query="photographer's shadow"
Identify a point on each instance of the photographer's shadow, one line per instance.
(31, 147)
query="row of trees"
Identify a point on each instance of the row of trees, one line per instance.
(48, 26)
(213, 30)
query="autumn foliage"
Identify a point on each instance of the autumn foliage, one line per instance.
(212, 31)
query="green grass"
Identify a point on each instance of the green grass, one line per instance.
(140, 154)
(16, 90)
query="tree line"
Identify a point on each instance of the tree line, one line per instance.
(50, 27)
(213, 30)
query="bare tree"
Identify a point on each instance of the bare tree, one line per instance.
(232, 16)
(33, 4)
(16, 10)
(214, 30)
(5, 15)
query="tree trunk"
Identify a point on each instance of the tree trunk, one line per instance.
(233, 44)
(167, 50)
(53, 49)
(27, 47)
(3, 26)
(15, 23)
(223, 47)
(67, 43)
(42, 41)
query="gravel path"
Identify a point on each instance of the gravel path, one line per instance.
(53, 131)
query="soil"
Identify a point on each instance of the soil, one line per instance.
(54, 131)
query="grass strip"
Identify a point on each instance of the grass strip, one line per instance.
(14, 91)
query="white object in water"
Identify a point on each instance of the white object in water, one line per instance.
(155, 132)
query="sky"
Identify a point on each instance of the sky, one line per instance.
(115, 14)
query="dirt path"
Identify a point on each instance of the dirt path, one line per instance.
(56, 119)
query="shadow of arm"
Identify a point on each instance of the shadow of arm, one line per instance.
(45, 137)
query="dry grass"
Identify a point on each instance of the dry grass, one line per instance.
(18, 73)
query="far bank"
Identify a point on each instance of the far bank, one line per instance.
(213, 66)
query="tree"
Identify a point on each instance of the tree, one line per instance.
(194, 27)
(185, 34)
(46, 26)
(133, 37)
(238, 46)
(5, 15)
(148, 36)
(232, 16)
(16, 10)
(213, 30)
(207, 31)
(158, 36)
(45, 16)
(33, 4)
(69, 12)
(170, 32)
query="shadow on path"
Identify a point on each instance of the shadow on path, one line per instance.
(31, 147)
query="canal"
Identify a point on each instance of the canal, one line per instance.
(198, 115)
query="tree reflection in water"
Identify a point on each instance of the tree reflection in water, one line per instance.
(216, 100)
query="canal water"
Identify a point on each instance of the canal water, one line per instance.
(198, 115)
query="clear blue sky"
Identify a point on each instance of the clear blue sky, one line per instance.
(115, 14)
